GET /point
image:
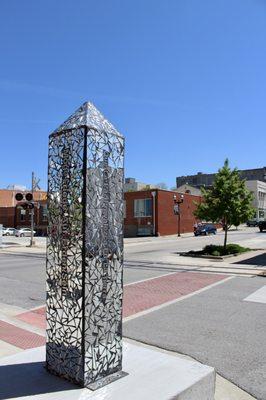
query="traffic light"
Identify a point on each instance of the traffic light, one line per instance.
(19, 196)
(28, 204)
(24, 206)
(29, 197)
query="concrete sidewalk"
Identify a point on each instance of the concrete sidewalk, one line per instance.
(224, 390)
(150, 374)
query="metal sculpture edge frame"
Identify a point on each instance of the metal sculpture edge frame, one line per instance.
(84, 278)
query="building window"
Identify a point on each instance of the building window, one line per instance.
(143, 208)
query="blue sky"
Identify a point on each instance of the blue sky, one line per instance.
(184, 81)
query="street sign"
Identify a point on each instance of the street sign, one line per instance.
(26, 205)
(176, 209)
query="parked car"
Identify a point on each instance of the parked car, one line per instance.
(24, 232)
(262, 226)
(8, 231)
(205, 229)
(252, 222)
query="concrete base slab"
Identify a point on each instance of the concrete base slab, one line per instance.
(152, 374)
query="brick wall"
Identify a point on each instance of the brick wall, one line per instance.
(11, 217)
(7, 197)
(40, 224)
(131, 223)
(7, 216)
(165, 219)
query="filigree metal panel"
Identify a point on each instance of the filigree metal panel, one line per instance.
(85, 249)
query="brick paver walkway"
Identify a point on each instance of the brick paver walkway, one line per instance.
(137, 297)
(20, 337)
(144, 295)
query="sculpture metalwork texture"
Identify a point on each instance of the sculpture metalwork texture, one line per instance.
(85, 249)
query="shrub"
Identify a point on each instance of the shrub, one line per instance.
(215, 250)
(216, 253)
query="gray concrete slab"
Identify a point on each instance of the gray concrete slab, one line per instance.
(152, 374)
(215, 327)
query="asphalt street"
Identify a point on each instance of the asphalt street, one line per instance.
(22, 279)
(22, 276)
(215, 327)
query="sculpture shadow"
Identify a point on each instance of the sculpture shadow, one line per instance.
(29, 379)
(259, 260)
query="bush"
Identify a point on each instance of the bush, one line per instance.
(215, 250)
(216, 253)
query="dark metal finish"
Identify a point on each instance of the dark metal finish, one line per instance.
(85, 249)
(177, 211)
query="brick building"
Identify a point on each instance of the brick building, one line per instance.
(13, 216)
(151, 212)
(147, 212)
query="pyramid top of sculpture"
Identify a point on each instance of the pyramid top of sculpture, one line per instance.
(88, 115)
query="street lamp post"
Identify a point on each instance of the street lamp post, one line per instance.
(153, 213)
(177, 212)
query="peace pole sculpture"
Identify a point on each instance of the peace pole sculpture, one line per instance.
(85, 249)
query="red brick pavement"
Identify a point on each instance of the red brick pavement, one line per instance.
(137, 297)
(20, 337)
(34, 317)
(144, 295)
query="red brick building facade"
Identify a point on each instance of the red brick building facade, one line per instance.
(13, 216)
(151, 212)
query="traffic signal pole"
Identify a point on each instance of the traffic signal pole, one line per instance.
(32, 242)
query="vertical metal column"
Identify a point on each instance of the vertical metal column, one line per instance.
(85, 250)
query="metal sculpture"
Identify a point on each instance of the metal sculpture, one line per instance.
(85, 249)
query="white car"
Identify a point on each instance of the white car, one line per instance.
(8, 231)
(24, 232)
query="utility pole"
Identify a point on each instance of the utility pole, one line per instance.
(177, 211)
(32, 242)
(34, 186)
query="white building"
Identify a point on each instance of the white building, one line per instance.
(131, 185)
(258, 188)
(189, 189)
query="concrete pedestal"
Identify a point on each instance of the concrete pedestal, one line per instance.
(152, 374)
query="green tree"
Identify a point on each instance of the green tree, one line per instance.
(228, 201)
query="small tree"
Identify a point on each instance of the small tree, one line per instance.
(228, 201)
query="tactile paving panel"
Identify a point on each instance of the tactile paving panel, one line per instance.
(20, 337)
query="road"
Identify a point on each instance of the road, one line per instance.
(22, 276)
(158, 249)
(204, 315)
